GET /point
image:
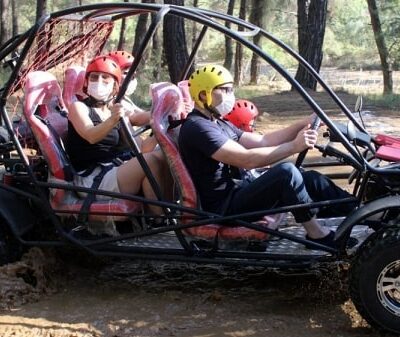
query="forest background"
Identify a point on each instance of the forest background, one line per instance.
(352, 36)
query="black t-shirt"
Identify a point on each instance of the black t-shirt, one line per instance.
(199, 139)
(84, 155)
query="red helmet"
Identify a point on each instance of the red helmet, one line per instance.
(105, 64)
(123, 58)
(243, 115)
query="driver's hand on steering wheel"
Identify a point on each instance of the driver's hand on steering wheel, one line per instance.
(310, 119)
(305, 139)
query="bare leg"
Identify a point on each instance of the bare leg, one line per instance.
(131, 177)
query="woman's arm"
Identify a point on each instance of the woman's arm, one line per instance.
(139, 118)
(79, 117)
(136, 115)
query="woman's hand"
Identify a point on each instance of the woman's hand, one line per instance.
(117, 111)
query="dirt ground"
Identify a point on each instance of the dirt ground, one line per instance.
(48, 295)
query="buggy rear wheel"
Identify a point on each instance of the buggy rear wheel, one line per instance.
(375, 280)
(10, 248)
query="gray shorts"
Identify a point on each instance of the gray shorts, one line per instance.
(108, 183)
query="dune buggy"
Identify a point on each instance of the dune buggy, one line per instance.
(39, 204)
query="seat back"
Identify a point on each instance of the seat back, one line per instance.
(74, 78)
(42, 93)
(167, 105)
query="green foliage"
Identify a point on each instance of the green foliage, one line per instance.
(391, 101)
(390, 14)
(349, 39)
(251, 91)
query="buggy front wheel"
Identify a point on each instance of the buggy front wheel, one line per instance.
(375, 280)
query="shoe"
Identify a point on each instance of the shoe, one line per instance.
(156, 222)
(84, 235)
(328, 240)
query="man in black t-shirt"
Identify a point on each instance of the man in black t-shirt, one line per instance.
(214, 149)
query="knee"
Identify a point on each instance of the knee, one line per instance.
(289, 174)
(155, 160)
(312, 175)
(288, 170)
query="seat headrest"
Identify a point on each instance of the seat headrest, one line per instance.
(74, 79)
(168, 95)
(41, 87)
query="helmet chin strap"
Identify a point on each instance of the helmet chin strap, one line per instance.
(98, 104)
(213, 112)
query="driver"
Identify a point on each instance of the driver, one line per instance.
(213, 149)
(94, 142)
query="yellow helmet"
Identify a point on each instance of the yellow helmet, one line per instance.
(206, 79)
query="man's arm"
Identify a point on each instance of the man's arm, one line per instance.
(252, 140)
(235, 154)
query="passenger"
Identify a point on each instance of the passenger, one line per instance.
(93, 141)
(213, 149)
(137, 116)
(243, 115)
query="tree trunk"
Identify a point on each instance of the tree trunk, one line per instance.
(381, 45)
(239, 48)
(175, 47)
(121, 40)
(257, 14)
(5, 17)
(14, 14)
(141, 29)
(41, 6)
(311, 21)
(156, 51)
(228, 41)
(194, 26)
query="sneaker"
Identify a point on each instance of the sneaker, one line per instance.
(84, 234)
(328, 240)
(157, 222)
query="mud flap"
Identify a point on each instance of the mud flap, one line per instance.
(373, 207)
(15, 211)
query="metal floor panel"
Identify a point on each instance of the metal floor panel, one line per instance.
(275, 245)
(159, 241)
(285, 246)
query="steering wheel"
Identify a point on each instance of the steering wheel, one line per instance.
(314, 126)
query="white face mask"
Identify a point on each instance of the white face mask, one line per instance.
(131, 87)
(226, 105)
(100, 91)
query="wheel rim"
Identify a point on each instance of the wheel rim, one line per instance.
(388, 287)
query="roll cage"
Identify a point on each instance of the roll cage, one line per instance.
(207, 18)
(105, 15)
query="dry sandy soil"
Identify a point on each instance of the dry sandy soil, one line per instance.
(48, 295)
